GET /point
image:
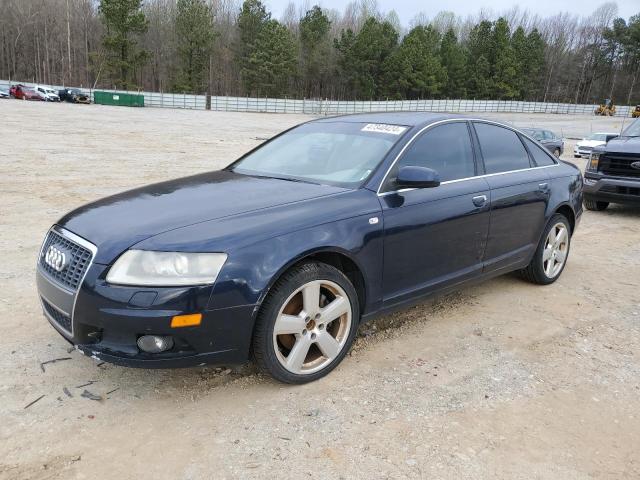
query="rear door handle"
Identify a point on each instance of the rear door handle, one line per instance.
(543, 187)
(480, 200)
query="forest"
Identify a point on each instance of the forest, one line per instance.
(228, 47)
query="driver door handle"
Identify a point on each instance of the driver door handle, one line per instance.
(543, 187)
(480, 200)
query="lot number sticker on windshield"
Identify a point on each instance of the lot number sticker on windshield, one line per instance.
(384, 128)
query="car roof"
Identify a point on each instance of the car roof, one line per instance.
(409, 119)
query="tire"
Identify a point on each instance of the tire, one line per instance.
(556, 153)
(303, 352)
(550, 258)
(595, 206)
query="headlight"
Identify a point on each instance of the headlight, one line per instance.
(592, 164)
(166, 269)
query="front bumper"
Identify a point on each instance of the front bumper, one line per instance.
(582, 152)
(609, 189)
(105, 321)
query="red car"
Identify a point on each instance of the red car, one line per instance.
(21, 92)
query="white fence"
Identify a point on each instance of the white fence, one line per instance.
(338, 107)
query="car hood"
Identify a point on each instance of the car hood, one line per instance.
(117, 222)
(624, 145)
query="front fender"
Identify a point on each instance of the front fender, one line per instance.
(252, 270)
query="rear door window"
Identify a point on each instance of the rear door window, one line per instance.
(501, 148)
(540, 157)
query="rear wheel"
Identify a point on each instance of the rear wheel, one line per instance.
(551, 255)
(595, 206)
(306, 324)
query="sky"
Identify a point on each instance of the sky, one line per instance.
(407, 9)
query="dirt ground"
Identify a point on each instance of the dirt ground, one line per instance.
(504, 380)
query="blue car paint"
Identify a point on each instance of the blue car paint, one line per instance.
(406, 244)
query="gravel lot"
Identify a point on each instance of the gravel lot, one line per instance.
(503, 380)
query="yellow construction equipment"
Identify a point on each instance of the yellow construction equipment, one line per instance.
(607, 108)
(636, 112)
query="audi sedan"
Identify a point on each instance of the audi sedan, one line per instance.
(281, 255)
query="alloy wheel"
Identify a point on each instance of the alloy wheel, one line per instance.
(555, 250)
(312, 327)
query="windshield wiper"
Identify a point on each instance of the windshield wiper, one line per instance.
(286, 179)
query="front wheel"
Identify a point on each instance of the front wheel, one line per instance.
(551, 255)
(556, 153)
(306, 324)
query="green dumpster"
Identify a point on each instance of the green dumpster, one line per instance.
(119, 99)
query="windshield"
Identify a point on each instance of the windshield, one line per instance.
(600, 137)
(632, 130)
(334, 153)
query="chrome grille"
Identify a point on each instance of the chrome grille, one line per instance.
(80, 258)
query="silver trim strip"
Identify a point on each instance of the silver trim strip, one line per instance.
(451, 120)
(83, 243)
(402, 190)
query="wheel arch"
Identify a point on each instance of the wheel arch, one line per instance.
(566, 210)
(334, 256)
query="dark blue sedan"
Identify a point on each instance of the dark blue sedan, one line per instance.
(281, 255)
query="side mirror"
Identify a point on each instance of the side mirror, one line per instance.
(417, 177)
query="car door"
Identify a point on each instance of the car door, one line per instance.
(434, 237)
(519, 195)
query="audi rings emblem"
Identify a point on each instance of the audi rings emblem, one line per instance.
(56, 258)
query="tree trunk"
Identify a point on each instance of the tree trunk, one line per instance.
(633, 83)
(68, 45)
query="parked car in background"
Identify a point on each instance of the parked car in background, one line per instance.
(21, 92)
(281, 255)
(612, 174)
(16, 91)
(4, 93)
(73, 95)
(583, 147)
(48, 94)
(548, 139)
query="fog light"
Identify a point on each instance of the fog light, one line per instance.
(155, 343)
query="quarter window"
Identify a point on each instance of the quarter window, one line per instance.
(541, 157)
(501, 148)
(445, 149)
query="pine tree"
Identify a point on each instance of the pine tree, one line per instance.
(362, 57)
(534, 84)
(195, 36)
(503, 62)
(124, 20)
(252, 19)
(271, 66)
(523, 63)
(315, 48)
(454, 61)
(479, 82)
(414, 70)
